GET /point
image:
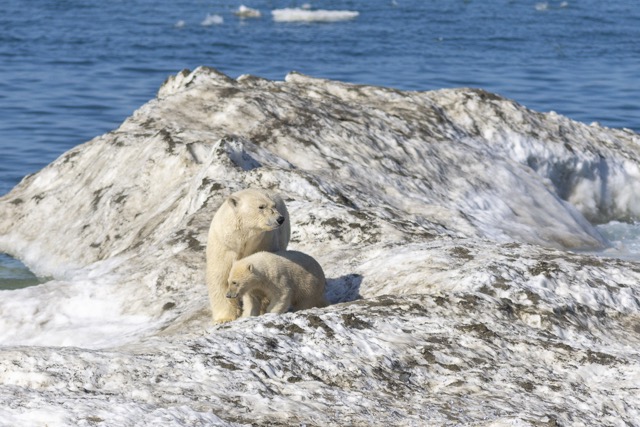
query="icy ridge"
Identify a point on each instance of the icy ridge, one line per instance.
(443, 222)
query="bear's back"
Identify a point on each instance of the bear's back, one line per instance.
(292, 272)
(293, 265)
(308, 280)
(304, 262)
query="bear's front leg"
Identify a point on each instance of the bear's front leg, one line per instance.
(251, 304)
(226, 314)
(280, 303)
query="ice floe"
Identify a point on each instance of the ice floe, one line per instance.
(212, 19)
(453, 227)
(307, 15)
(247, 12)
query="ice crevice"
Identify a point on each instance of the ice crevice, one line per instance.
(447, 223)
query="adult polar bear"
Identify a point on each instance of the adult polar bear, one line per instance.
(247, 222)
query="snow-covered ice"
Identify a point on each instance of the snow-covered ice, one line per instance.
(456, 229)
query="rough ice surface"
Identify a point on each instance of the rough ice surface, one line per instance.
(452, 226)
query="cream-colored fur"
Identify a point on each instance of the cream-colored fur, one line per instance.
(249, 221)
(285, 278)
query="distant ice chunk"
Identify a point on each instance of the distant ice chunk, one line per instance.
(304, 15)
(212, 20)
(179, 24)
(540, 7)
(545, 5)
(246, 12)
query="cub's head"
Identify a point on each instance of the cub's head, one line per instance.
(241, 277)
(256, 210)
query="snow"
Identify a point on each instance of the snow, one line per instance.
(455, 228)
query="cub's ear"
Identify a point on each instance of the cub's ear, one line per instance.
(250, 267)
(233, 201)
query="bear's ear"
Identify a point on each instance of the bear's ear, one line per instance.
(250, 267)
(233, 201)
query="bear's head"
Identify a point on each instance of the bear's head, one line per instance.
(241, 278)
(256, 211)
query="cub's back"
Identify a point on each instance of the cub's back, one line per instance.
(302, 265)
(295, 272)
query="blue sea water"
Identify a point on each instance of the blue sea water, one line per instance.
(74, 69)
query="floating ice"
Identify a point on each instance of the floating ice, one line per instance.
(304, 15)
(544, 6)
(541, 7)
(444, 222)
(212, 20)
(246, 12)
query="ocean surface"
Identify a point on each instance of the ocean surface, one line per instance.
(71, 70)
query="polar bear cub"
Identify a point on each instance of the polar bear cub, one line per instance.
(285, 278)
(248, 221)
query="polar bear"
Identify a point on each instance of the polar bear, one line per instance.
(247, 222)
(285, 278)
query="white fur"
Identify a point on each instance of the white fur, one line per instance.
(285, 278)
(246, 223)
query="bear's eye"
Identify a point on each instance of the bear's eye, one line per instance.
(234, 283)
(261, 207)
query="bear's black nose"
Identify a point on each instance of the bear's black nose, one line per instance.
(280, 220)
